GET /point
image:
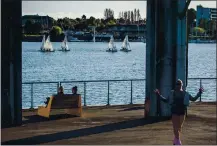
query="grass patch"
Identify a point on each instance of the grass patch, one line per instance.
(32, 35)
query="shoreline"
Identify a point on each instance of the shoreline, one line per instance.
(38, 38)
(114, 41)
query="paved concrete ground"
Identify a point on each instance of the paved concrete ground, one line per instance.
(113, 125)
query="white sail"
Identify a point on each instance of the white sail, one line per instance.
(126, 45)
(43, 42)
(48, 46)
(111, 45)
(64, 45)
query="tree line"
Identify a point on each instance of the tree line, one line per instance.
(83, 23)
(204, 25)
(130, 16)
(125, 17)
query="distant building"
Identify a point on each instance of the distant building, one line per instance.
(46, 21)
(206, 13)
(131, 29)
(213, 14)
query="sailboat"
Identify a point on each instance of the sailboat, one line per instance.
(126, 45)
(111, 46)
(64, 45)
(43, 41)
(46, 45)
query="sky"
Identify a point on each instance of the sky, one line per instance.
(74, 9)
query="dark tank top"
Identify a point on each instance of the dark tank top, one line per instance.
(178, 106)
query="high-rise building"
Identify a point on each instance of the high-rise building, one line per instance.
(206, 13)
(213, 14)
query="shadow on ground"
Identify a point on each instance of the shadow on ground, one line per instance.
(41, 139)
(36, 118)
(131, 109)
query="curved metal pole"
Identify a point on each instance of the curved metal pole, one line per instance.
(183, 13)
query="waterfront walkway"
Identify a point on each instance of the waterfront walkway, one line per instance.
(113, 125)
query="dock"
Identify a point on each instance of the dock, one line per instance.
(113, 125)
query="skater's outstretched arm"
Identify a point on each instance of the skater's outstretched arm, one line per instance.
(157, 92)
(191, 98)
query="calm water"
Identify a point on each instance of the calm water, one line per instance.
(89, 61)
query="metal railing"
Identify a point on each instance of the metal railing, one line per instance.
(58, 84)
(200, 79)
(32, 89)
(108, 85)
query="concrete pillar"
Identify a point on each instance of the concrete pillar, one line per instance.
(181, 45)
(165, 50)
(11, 104)
(150, 56)
(166, 62)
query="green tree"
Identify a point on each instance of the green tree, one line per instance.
(203, 23)
(36, 28)
(132, 17)
(135, 15)
(191, 16)
(81, 26)
(60, 23)
(128, 15)
(67, 23)
(108, 14)
(101, 27)
(52, 22)
(91, 21)
(198, 30)
(73, 21)
(138, 15)
(29, 26)
(83, 17)
(78, 20)
(121, 20)
(125, 16)
(144, 20)
(32, 27)
(111, 22)
(55, 31)
(98, 22)
(211, 27)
